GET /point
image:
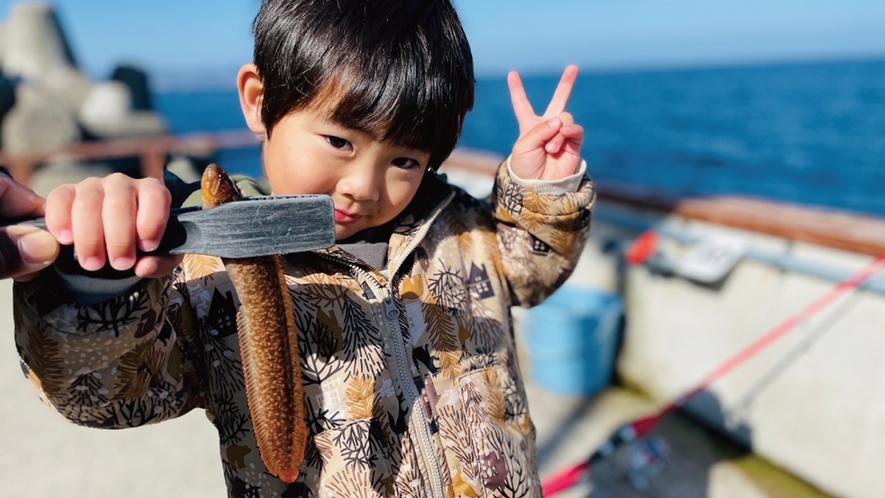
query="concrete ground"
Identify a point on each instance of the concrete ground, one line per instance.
(702, 463)
(45, 456)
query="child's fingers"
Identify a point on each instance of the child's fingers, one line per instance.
(572, 133)
(58, 213)
(568, 139)
(118, 217)
(154, 201)
(538, 136)
(87, 224)
(575, 136)
(157, 266)
(522, 108)
(108, 218)
(554, 145)
(563, 91)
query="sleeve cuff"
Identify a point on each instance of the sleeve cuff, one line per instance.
(90, 290)
(565, 185)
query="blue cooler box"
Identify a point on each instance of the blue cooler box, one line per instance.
(573, 338)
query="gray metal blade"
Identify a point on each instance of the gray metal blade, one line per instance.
(255, 226)
(259, 226)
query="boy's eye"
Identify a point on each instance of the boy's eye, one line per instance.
(406, 163)
(339, 143)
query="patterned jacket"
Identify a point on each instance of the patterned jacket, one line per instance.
(412, 387)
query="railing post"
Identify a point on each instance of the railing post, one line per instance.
(153, 162)
(21, 168)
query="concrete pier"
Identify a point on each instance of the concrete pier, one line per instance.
(45, 455)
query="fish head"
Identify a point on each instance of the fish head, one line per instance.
(217, 188)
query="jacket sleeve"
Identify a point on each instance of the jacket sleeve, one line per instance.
(125, 361)
(132, 358)
(541, 235)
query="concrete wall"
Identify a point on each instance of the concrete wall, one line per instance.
(810, 403)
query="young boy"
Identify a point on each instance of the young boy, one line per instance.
(408, 356)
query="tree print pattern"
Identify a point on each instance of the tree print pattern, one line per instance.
(113, 314)
(42, 354)
(164, 348)
(447, 287)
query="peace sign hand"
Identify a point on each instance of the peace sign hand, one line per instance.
(549, 146)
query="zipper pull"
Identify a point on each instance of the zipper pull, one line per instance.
(390, 310)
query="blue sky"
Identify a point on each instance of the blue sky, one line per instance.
(211, 37)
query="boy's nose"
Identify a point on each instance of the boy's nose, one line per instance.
(362, 184)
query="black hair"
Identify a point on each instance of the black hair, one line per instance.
(401, 69)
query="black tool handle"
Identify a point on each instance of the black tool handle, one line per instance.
(174, 236)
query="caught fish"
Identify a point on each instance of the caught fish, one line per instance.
(268, 346)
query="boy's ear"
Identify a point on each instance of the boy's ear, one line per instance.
(251, 91)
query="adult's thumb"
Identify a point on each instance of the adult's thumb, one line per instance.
(25, 251)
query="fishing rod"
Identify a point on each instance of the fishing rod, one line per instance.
(638, 428)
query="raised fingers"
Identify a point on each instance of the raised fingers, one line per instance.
(525, 115)
(563, 91)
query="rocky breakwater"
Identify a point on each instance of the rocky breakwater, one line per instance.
(48, 104)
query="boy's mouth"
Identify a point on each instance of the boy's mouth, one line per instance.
(346, 217)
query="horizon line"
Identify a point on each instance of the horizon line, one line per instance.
(207, 79)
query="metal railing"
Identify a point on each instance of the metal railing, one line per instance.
(153, 152)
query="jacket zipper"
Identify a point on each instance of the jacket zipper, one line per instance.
(425, 441)
(420, 423)
(390, 313)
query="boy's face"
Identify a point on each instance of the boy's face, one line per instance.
(369, 181)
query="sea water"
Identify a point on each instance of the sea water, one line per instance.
(802, 133)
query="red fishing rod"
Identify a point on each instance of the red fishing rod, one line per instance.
(636, 429)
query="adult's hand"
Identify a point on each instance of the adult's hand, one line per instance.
(23, 250)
